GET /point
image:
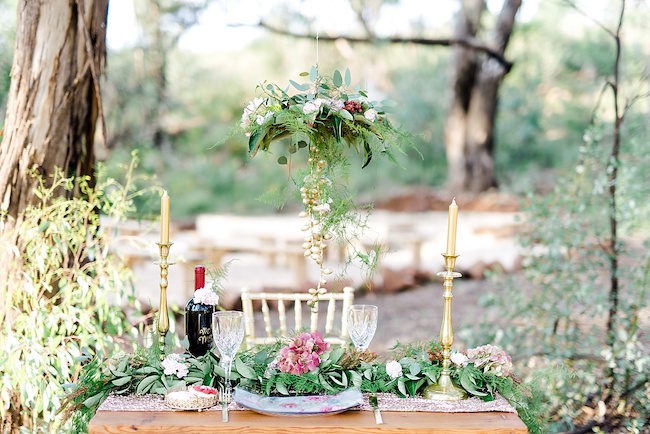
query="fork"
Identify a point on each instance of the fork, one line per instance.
(372, 400)
(224, 398)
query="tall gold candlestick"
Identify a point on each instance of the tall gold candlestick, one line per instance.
(163, 316)
(445, 389)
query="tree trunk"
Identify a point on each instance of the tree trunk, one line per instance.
(54, 100)
(469, 130)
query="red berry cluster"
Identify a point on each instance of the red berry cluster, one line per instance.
(353, 106)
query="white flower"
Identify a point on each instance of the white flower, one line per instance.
(323, 208)
(173, 365)
(206, 296)
(311, 106)
(394, 369)
(459, 359)
(333, 104)
(250, 110)
(371, 114)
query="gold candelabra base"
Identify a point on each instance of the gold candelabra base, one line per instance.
(445, 389)
(162, 325)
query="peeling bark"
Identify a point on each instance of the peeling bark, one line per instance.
(53, 103)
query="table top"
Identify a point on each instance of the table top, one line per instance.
(350, 422)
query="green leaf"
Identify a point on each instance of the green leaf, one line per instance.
(368, 154)
(304, 74)
(337, 79)
(269, 385)
(150, 369)
(356, 379)
(414, 368)
(362, 93)
(121, 381)
(348, 77)
(245, 370)
(345, 114)
(469, 384)
(93, 400)
(325, 384)
(219, 371)
(313, 74)
(301, 87)
(145, 384)
(337, 128)
(281, 160)
(368, 374)
(336, 354)
(401, 387)
(255, 140)
(281, 388)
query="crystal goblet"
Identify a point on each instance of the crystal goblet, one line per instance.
(362, 324)
(228, 334)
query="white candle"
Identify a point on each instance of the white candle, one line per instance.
(164, 218)
(451, 228)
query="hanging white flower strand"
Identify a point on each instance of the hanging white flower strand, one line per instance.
(317, 207)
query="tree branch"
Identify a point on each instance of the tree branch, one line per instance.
(470, 43)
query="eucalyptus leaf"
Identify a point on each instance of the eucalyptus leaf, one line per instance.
(121, 381)
(281, 160)
(145, 384)
(337, 79)
(313, 74)
(401, 387)
(281, 388)
(93, 400)
(348, 77)
(301, 87)
(345, 114)
(245, 370)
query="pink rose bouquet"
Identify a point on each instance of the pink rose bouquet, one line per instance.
(492, 359)
(302, 354)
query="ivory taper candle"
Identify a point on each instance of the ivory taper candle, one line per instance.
(451, 228)
(164, 218)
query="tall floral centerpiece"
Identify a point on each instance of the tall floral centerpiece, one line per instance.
(325, 117)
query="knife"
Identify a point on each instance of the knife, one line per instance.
(375, 406)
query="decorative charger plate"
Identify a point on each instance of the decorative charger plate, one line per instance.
(299, 405)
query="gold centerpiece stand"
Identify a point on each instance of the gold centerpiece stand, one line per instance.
(445, 389)
(163, 315)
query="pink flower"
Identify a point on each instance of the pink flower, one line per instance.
(302, 354)
(492, 359)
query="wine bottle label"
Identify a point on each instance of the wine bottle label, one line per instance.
(204, 335)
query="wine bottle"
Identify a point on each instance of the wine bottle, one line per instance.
(198, 319)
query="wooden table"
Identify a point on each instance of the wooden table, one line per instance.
(350, 422)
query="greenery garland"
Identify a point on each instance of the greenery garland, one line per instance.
(340, 367)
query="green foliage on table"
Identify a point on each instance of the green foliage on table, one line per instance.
(61, 291)
(340, 368)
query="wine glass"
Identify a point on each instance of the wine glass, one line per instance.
(362, 324)
(228, 333)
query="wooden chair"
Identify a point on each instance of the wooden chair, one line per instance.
(247, 298)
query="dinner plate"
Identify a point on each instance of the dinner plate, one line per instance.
(312, 405)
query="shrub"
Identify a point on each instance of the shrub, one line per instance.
(60, 293)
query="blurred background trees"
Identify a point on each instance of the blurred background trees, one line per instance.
(169, 85)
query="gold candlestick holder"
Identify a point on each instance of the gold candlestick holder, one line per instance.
(445, 389)
(163, 316)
